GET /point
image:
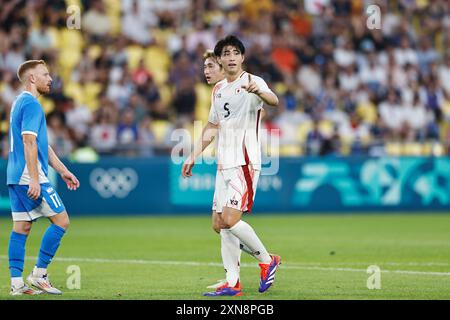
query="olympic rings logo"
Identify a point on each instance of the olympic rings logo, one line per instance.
(114, 182)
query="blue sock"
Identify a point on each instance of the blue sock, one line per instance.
(49, 245)
(16, 253)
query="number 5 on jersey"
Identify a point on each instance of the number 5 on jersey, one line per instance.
(226, 109)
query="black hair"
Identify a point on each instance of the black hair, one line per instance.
(229, 41)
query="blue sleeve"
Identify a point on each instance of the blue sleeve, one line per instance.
(32, 115)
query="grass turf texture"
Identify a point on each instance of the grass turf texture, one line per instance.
(323, 256)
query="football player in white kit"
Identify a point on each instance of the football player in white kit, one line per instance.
(214, 73)
(235, 112)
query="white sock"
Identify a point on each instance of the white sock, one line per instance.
(39, 272)
(246, 249)
(248, 237)
(231, 255)
(17, 282)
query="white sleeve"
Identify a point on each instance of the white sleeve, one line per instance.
(213, 118)
(262, 85)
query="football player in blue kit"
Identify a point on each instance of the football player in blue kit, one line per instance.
(31, 194)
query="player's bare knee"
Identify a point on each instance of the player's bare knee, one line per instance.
(22, 227)
(63, 223)
(228, 221)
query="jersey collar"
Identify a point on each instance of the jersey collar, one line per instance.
(240, 76)
(25, 91)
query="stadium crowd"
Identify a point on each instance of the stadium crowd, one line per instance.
(132, 73)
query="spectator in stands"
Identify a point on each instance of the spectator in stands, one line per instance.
(96, 21)
(146, 138)
(127, 133)
(58, 135)
(103, 134)
(326, 65)
(137, 19)
(391, 113)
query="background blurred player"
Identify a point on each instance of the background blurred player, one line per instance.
(236, 108)
(31, 194)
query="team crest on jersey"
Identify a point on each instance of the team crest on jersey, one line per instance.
(238, 91)
(49, 190)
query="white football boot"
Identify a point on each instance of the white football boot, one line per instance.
(24, 290)
(42, 282)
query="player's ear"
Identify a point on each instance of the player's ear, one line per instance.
(31, 76)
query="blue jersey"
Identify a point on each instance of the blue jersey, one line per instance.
(27, 117)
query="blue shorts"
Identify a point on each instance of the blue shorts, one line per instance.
(24, 208)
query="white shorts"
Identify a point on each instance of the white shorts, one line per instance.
(235, 188)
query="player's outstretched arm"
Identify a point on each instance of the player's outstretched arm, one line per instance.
(208, 134)
(68, 177)
(267, 97)
(31, 159)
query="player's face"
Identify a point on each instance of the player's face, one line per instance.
(212, 71)
(231, 60)
(42, 79)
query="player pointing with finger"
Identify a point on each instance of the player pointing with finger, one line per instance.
(236, 111)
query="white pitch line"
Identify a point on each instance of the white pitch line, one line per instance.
(246, 265)
(413, 264)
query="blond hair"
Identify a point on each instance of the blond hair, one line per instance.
(28, 65)
(210, 54)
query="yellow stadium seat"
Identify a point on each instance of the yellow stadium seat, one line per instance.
(393, 149)
(160, 128)
(113, 10)
(157, 61)
(74, 2)
(203, 103)
(71, 39)
(303, 131)
(4, 126)
(446, 107)
(271, 150)
(54, 35)
(427, 149)
(290, 150)
(69, 58)
(91, 91)
(161, 35)
(94, 51)
(346, 148)
(134, 54)
(438, 149)
(280, 88)
(75, 91)
(166, 94)
(47, 104)
(412, 149)
(86, 94)
(326, 127)
(367, 112)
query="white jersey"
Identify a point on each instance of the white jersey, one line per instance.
(237, 113)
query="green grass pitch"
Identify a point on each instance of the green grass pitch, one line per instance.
(324, 257)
